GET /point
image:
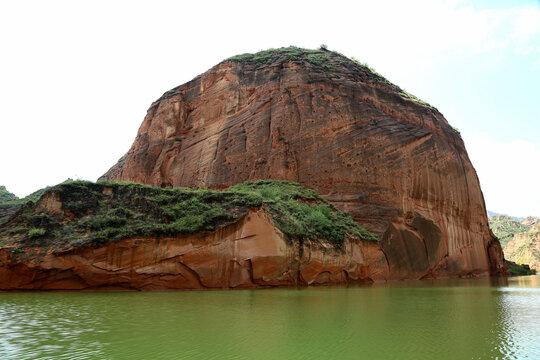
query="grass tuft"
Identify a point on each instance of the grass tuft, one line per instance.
(35, 233)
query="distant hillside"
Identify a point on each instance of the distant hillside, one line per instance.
(9, 203)
(492, 213)
(519, 239)
(5, 195)
(530, 221)
(505, 227)
(524, 248)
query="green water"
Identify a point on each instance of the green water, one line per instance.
(453, 319)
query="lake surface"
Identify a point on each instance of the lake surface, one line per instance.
(443, 319)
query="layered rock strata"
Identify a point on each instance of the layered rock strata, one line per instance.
(250, 253)
(318, 118)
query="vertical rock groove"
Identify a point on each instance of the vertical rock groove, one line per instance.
(338, 128)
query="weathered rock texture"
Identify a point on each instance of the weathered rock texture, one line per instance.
(391, 161)
(249, 253)
(524, 248)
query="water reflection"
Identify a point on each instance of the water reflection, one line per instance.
(443, 319)
(41, 326)
(520, 309)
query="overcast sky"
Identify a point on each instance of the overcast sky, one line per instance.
(76, 78)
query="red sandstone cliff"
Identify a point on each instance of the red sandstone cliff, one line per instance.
(249, 253)
(318, 118)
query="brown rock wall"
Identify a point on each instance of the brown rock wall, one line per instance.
(250, 253)
(396, 165)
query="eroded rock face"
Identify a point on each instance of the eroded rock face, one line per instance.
(250, 253)
(393, 163)
(524, 248)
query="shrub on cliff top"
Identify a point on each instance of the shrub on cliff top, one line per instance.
(327, 64)
(96, 213)
(322, 60)
(34, 233)
(302, 214)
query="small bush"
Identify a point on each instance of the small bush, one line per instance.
(270, 194)
(187, 224)
(35, 233)
(99, 222)
(247, 200)
(318, 59)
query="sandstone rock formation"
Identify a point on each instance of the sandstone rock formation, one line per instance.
(249, 253)
(335, 126)
(148, 245)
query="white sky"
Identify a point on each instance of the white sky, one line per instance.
(76, 78)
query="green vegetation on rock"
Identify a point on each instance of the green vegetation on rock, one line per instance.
(302, 214)
(505, 227)
(516, 269)
(95, 213)
(520, 239)
(34, 233)
(10, 204)
(329, 64)
(6, 195)
(321, 60)
(417, 100)
(319, 57)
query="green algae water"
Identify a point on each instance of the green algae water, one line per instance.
(443, 319)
